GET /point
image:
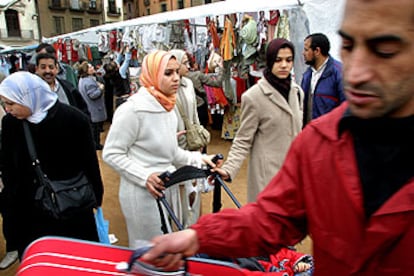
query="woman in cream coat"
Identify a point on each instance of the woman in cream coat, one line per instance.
(271, 117)
(142, 143)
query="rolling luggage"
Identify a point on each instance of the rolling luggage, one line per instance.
(68, 257)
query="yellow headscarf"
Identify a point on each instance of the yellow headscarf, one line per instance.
(152, 71)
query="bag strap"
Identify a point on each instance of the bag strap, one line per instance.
(29, 142)
(32, 150)
(183, 115)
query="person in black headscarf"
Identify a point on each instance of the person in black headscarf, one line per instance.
(271, 113)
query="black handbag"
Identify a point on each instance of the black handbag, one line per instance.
(60, 199)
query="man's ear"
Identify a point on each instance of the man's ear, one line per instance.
(317, 50)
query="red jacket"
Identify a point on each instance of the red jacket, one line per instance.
(318, 192)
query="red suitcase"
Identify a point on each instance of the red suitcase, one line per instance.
(64, 257)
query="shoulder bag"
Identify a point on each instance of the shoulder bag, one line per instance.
(197, 136)
(60, 198)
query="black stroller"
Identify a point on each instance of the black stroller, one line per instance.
(188, 173)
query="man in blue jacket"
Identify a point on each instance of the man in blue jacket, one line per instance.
(322, 81)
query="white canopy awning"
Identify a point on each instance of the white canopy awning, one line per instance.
(213, 9)
(324, 16)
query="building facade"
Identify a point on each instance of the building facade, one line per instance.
(147, 7)
(18, 23)
(65, 16)
(25, 22)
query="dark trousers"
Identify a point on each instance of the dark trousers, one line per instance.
(109, 100)
(203, 115)
(96, 132)
(202, 112)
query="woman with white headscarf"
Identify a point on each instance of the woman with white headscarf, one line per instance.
(63, 141)
(190, 208)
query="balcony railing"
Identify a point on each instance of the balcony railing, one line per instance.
(94, 7)
(24, 34)
(114, 12)
(79, 6)
(58, 4)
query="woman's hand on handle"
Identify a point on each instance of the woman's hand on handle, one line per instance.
(212, 161)
(155, 185)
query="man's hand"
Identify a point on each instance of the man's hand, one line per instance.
(168, 250)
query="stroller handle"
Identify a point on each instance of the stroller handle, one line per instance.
(187, 173)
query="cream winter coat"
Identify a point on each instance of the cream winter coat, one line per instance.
(268, 125)
(187, 214)
(143, 140)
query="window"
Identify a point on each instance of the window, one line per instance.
(163, 7)
(148, 11)
(56, 3)
(129, 7)
(112, 6)
(77, 24)
(74, 4)
(181, 4)
(92, 4)
(207, 1)
(59, 24)
(94, 22)
(12, 22)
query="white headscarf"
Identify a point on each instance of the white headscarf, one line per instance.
(179, 54)
(29, 90)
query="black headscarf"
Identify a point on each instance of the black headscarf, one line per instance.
(281, 85)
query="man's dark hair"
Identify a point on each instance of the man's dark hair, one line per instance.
(49, 48)
(320, 40)
(45, 56)
(110, 68)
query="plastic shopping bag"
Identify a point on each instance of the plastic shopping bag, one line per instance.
(102, 226)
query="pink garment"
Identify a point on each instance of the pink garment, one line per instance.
(210, 94)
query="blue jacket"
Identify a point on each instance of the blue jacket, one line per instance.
(329, 90)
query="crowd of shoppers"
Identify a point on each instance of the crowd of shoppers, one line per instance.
(348, 178)
(352, 153)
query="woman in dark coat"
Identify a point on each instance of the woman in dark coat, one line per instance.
(63, 140)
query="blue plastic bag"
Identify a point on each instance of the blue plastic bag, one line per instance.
(102, 226)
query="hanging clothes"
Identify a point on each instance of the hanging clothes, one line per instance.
(231, 122)
(249, 37)
(112, 40)
(299, 29)
(74, 50)
(214, 35)
(103, 43)
(282, 29)
(272, 23)
(228, 41)
(240, 87)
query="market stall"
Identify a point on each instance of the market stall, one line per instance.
(208, 30)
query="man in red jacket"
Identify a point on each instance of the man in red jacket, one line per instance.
(348, 179)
